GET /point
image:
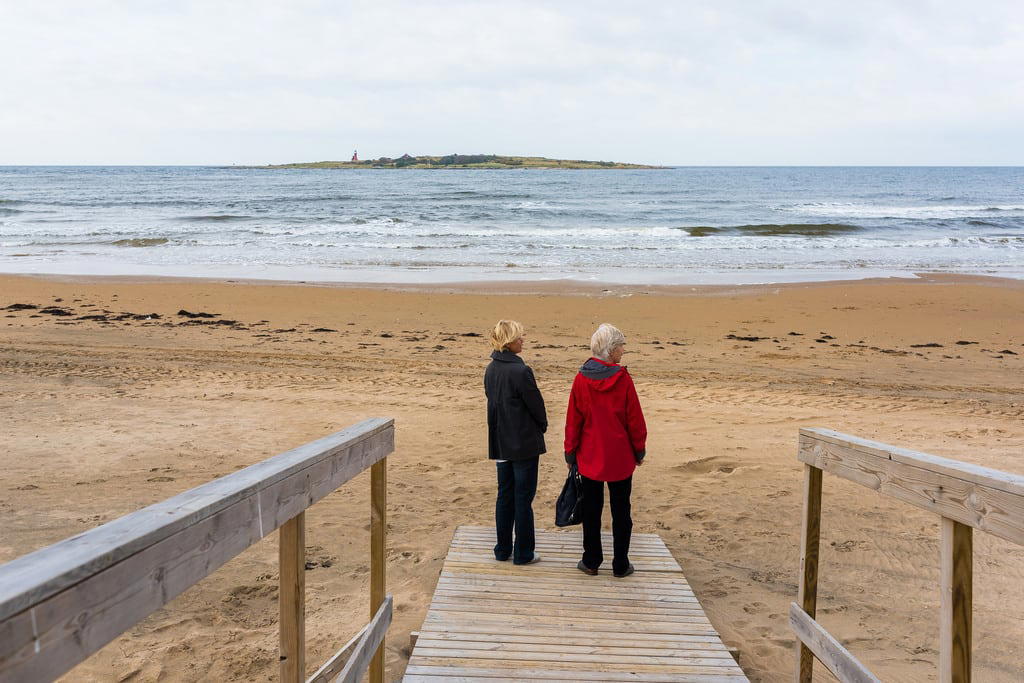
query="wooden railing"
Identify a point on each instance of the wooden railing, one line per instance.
(966, 497)
(62, 603)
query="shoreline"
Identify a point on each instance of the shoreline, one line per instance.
(563, 287)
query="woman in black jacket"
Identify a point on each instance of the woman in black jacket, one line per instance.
(516, 422)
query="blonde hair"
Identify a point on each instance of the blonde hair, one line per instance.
(604, 341)
(504, 333)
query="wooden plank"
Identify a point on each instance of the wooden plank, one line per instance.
(76, 622)
(557, 540)
(574, 535)
(496, 632)
(471, 529)
(368, 646)
(292, 598)
(533, 586)
(552, 598)
(566, 648)
(990, 478)
(827, 649)
(333, 666)
(568, 597)
(450, 673)
(378, 555)
(678, 588)
(670, 582)
(534, 657)
(810, 531)
(577, 620)
(641, 563)
(956, 585)
(515, 641)
(574, 677)
(512, 609)
(487, 542)
(559, 573)
(568, 551)
(579, 611)
(984, 499)
(31, 578)
(83, 592)
(523, 664)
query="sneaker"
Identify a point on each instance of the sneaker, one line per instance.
(533, 560)
(585, 569)
(629, 570)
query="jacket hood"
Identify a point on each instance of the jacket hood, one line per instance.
(506, 357)
(603, 376)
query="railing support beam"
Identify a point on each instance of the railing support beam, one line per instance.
(810, 533)
(956, 574)
(292, 598)
(378, 554)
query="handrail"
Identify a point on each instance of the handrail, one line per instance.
(965, 496)
(60, 604)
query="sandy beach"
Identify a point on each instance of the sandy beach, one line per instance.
(113, 400)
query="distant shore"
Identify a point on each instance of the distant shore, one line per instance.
(462, 161)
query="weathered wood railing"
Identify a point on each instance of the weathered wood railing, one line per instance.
(62, 603)
(966, 497)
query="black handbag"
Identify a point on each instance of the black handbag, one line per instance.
(569, 506)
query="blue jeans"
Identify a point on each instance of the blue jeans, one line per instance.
(517, 485)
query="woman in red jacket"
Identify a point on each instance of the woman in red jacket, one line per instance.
(605, 435)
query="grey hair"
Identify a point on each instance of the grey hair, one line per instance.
(604, 340)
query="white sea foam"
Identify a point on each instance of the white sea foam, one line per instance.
(852, 209)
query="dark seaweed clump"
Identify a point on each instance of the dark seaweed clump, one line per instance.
(774, 230)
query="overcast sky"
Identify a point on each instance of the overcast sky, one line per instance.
(674, 82)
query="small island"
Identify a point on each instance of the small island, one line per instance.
(474, 161)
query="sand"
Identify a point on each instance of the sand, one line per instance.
(104, 417)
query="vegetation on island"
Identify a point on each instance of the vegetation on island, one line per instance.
(463, 161)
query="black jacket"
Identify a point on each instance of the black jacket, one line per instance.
(516, 420)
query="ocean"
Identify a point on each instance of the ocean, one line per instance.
(687, 225)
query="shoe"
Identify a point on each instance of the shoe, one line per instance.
(533, 560)
(501, 559)
(585, 569)
(629, 570)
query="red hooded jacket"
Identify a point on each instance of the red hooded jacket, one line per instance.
(605, 432)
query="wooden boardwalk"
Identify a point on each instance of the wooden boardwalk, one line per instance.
(492, 620)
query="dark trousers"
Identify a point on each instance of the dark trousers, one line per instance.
(517, 485)
(622, 522)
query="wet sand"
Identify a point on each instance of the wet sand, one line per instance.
(109, 408)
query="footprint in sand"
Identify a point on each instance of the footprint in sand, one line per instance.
(707, 466)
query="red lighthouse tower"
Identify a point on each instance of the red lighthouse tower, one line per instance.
(355, 155)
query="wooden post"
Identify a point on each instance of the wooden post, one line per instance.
(809, 535)
(291, 598)
(378, 553)
(956, 572)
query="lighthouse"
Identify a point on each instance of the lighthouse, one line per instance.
(355, 155)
